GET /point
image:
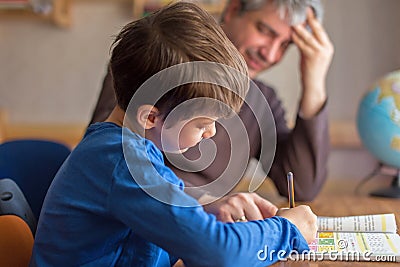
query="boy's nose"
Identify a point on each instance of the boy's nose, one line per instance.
(210, 131)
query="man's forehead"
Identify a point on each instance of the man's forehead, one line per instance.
(271, 15)
(282, 14)
(274, 23)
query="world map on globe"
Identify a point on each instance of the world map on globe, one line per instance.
(378, 119)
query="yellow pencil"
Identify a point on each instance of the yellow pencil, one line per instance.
(290, 189)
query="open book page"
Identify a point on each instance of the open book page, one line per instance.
(359, 246)
(356, 238)
(377, 223)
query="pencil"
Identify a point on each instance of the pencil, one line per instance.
(290, 189)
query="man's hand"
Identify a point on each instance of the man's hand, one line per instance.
(316, 55)
(233, 207)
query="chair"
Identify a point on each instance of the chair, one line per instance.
(32, 164)
(16, 241)
(13, 202)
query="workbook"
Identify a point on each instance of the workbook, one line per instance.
(356, 238)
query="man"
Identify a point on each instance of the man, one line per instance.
(262, 30)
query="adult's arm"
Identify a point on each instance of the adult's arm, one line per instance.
(303, 150)
(106, 102)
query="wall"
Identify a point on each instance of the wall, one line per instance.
(367, 39)
(49, 75)
(40, 62)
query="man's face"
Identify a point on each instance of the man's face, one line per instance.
(261, 36)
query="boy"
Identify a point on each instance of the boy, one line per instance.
(115, 203)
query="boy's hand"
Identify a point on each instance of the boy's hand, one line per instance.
(233, 207)
(303, 218)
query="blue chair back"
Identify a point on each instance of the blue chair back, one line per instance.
(32, 164)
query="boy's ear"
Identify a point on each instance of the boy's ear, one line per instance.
(146, 116)
(232, 10)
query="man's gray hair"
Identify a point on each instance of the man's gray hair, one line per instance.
(295, 11)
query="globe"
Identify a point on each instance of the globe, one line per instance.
(378, 120)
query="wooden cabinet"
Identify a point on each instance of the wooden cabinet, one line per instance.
(60, 13)
(140, 7)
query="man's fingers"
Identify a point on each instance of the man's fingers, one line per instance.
(252, 212)
(305, 36)
(317, 29)
(266, 208)
(253, 207)
(242, 204)
(225, 216)
(304, 48)
(242, 207)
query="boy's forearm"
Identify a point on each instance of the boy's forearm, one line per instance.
(219, 244)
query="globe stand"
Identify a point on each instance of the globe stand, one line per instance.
(391, 192)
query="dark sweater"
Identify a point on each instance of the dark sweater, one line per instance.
(302, 150)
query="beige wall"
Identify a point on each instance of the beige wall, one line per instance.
(48, 74)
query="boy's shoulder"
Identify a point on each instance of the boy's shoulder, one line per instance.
(99, 139)
(108, 135)
(99, 127)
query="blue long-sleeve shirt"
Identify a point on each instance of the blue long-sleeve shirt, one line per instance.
(107, 208)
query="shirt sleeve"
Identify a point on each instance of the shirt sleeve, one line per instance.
(179, 225)
(302, 150)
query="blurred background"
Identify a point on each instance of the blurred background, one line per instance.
(51, 69)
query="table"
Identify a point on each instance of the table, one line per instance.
(338, 199)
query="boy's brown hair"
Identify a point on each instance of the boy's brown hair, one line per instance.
(178, 33)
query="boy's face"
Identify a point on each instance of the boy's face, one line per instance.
(185, 133)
